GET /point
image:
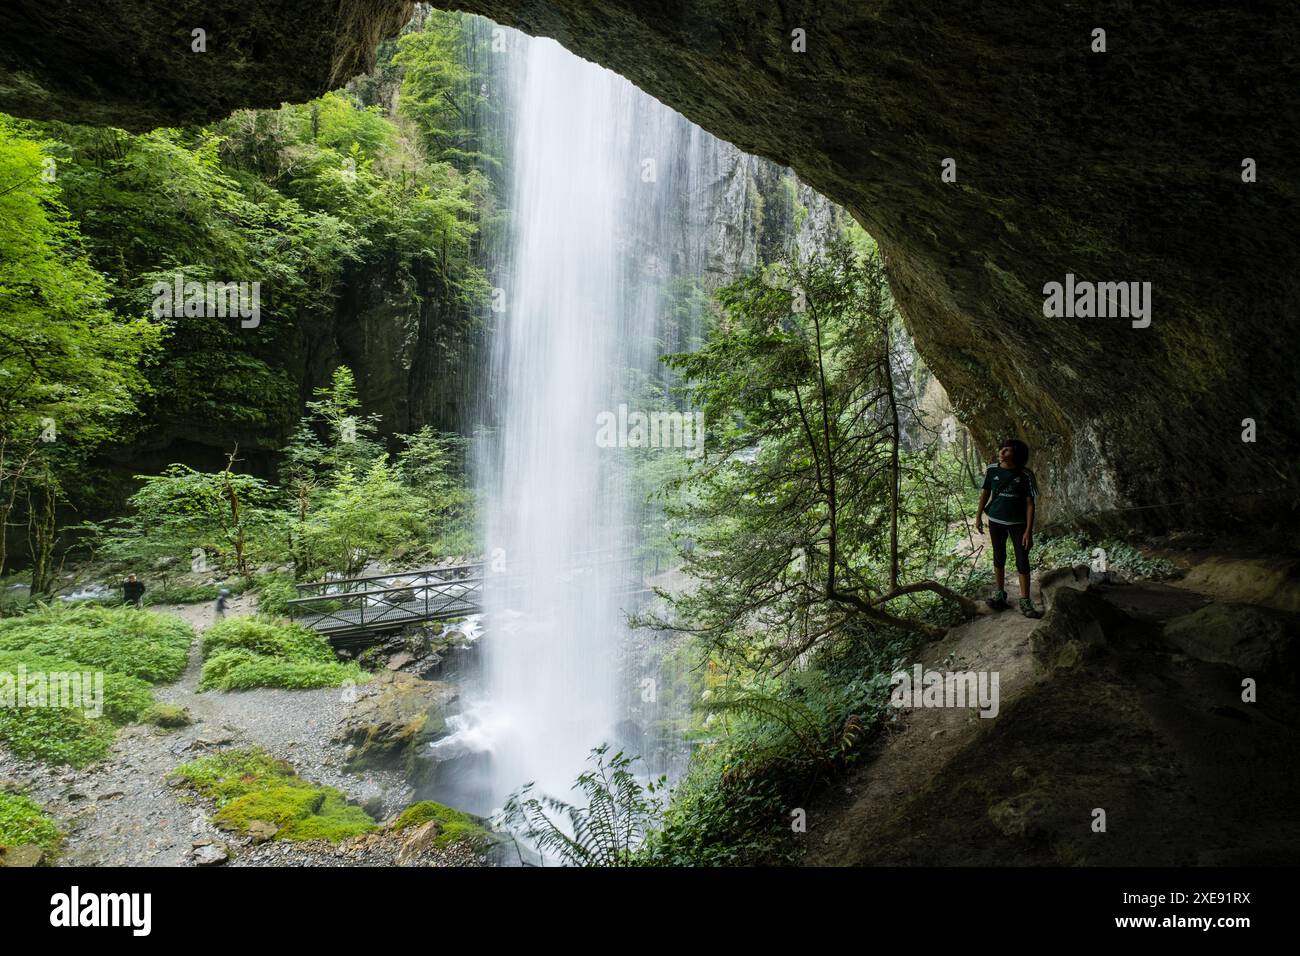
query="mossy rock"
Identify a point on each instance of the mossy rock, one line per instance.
(453, 826)
(252, 789)
(167, 715)
(28, 836)
(387, 729)
(298, 812)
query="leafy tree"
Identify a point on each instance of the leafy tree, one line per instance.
(350, 437)
(432, 464)
(797, 509)
(361, 518)
(69, 367)
(445, 88)
(187, 512)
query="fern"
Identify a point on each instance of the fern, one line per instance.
(619, 813)
(795, 717)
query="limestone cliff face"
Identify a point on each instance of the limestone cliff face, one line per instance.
(738, 211)
(1119, 166)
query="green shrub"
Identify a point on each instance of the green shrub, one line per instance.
(274, 592)
(244, 670)
(250, 785)
(1058, 551)
(246, 652)
(126, 640)
(267, 636)
(65, 735)
(55, 735)
(126, 698)
(777, 739)
(23, 822)
(194, 593)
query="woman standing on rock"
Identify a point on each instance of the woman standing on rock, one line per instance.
(1008, 500)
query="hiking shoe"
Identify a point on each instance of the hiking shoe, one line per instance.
(998, 601)
(1027, 608)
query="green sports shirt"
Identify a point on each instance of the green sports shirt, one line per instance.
(1009, 493)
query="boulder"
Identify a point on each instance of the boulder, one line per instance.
(209, 853)
(418, 839)
(385, 729)
(1253, 639)
(1078, 626)
(260, 831)
(26, 855)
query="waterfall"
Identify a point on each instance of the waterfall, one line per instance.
(589, 212)
(611, 198)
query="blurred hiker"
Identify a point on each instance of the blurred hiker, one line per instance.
(1008, 501)
(222, 602)
(132, 591)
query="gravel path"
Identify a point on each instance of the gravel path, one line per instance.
(122, 812)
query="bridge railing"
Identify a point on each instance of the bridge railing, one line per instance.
(388, 600)
(394, 579)
(381, 601)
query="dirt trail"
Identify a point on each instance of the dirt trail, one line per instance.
(122, 812)
(923, 740)
(1100, 710)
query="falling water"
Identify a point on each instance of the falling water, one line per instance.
(588, 214)
(611, 196)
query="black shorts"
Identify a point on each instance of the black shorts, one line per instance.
(999, 533)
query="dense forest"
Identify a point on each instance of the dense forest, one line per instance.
(339, 210)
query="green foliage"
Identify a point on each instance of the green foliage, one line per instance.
(246, 652)
(67, 735)
(807, 513)
(181, 593)
(267, 636)
(350, 438)
(274, 592)
(69, 364)
(23, 822)
(362, 518)
(250, 785)
(124, 640)
(225, 514)
(775, 739)
(453, 825)
(65, 355)
(244, 670)
(126, 698)
(318, 202)
(351, 505)
(55, 735)
(342, 505)
(619, 813)
(1058, 551)
(443, 89)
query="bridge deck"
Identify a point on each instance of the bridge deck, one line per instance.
(347, 611)
(387, 617)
